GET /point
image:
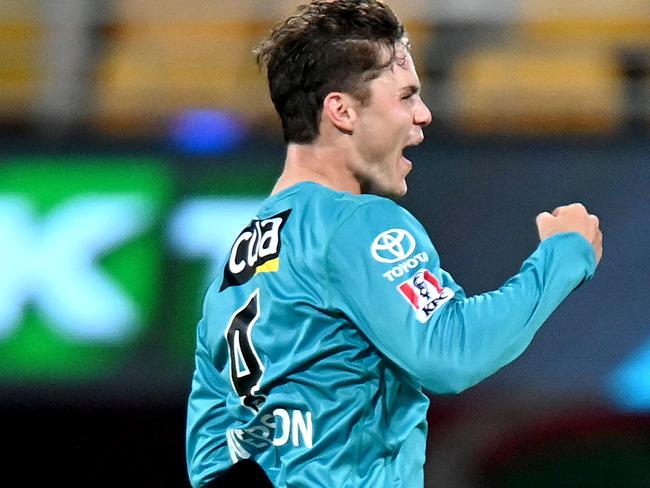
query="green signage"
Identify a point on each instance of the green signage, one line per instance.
(105, 263)
(81, 251)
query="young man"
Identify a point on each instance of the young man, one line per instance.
(333, 313)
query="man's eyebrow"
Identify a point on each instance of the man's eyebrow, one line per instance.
(411, 90)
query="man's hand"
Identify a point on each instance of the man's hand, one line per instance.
(572, 218)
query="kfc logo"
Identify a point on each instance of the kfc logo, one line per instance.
(425, 294)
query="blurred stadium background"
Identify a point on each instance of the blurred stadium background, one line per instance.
(136, 137)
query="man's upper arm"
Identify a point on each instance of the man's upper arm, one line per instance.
(385, 276)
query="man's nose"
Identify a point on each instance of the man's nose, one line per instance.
(422, 116)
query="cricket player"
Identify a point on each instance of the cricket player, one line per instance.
(332, 315)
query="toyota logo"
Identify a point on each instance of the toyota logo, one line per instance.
(392, 245)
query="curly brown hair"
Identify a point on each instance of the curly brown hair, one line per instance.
(327, 46)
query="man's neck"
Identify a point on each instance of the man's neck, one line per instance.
(320, 163)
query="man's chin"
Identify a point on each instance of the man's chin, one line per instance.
(394, 192)
(400, 193)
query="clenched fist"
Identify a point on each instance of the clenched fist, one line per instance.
(572, 218)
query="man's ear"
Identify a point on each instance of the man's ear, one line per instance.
(340, 110)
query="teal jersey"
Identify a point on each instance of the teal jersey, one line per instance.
(330, 320)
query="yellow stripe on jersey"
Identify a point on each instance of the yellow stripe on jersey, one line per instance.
(269, 267)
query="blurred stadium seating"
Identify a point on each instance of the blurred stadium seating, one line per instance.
(549, 66)
(20, 71)
(538, 88)
(158, 64)
(552, 67)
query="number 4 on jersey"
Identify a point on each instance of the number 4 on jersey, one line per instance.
(245, 366)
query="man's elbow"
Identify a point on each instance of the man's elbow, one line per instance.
(451, 381)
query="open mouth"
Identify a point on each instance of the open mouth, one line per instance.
(406, 155)
(407, 150)
(408, 165)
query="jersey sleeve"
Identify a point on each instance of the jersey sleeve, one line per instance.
(206, 422)
(385, 276)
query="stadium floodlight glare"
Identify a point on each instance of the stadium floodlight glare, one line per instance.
(205, 131)
(629, 384)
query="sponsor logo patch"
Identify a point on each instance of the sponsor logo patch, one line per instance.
(404, 267)
(425, 294)
(392, 245)
(256, 250)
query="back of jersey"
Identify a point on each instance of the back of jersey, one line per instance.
(281, 376)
